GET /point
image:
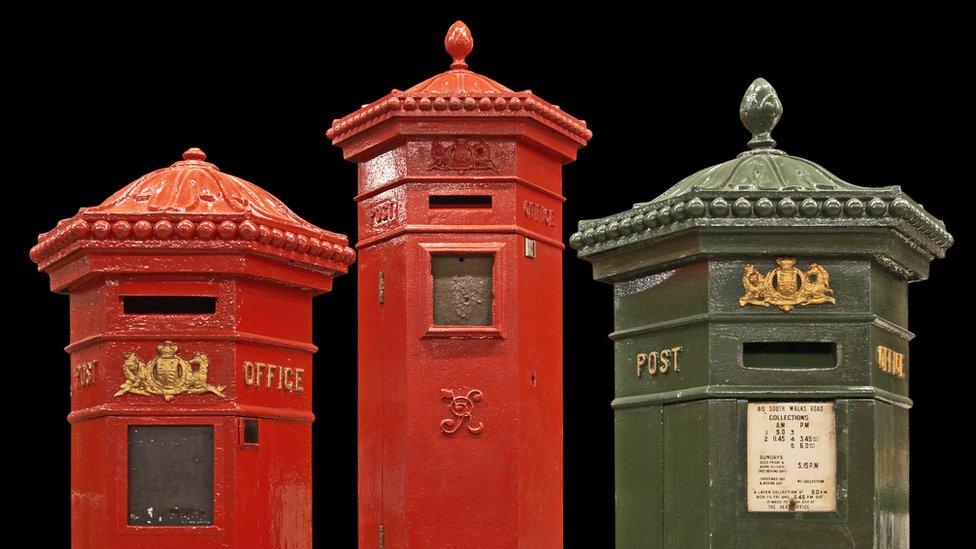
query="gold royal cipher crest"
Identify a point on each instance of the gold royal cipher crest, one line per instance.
(167, 374)
(786, 286)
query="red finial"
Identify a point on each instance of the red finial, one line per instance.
(194, 153)
(458, 44)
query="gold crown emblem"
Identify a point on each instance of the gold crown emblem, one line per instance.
(786, 286)
(167, 374)
(167, 349)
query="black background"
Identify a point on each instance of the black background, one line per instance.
(95, 105)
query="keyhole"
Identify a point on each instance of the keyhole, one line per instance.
(532, 379)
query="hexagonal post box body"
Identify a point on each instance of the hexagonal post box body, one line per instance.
(460, 370)
(761, 342)
(191, 361)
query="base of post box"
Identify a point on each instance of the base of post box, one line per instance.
(191, 481)
(682, 479)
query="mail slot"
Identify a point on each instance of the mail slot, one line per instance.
(180, 284)
(784, 421)
(460, 304)
(789, 354)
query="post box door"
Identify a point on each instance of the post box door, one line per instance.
(370, 396)
(380, 421)
(170, 478)
(382, 352)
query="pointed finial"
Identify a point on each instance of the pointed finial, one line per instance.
(760, 111)
(194, 153)
(458, 44)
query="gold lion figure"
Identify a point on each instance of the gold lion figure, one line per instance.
(752, 280)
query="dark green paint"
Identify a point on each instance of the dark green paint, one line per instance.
(676, 265)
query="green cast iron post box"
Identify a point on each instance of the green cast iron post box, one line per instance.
(761, 352)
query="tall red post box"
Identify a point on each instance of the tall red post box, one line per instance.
(460, 310)
(191, 361)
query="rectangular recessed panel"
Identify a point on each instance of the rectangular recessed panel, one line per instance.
(462, 289)
(460, 201)
(170, 475)
(169, 305)
(789, 354)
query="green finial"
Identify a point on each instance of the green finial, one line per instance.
(760, 111)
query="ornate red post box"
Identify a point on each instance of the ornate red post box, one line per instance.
(460, 310)
(191, 361)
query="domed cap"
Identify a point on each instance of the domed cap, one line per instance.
(762, 167)
(192, 205)
(459, 80)
(459, 92)
(764, 186)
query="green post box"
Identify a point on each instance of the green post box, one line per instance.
(761, 352)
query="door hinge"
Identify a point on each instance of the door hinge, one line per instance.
(382, 292)
(382, 537)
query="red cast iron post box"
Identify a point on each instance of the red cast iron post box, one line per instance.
(460, 310)
(191, 361)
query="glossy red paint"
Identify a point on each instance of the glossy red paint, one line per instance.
(460, 426)
(190, 230)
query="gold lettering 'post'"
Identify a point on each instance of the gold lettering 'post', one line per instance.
(84, 374)
(658, 362)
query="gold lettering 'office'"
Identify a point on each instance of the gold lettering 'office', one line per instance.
(272, 376)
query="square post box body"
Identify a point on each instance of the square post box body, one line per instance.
(761, 352)
(460, 301)
(191, 361)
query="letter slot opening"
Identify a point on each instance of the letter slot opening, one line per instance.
(169, 305)
(459, 201)
(789, 355)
